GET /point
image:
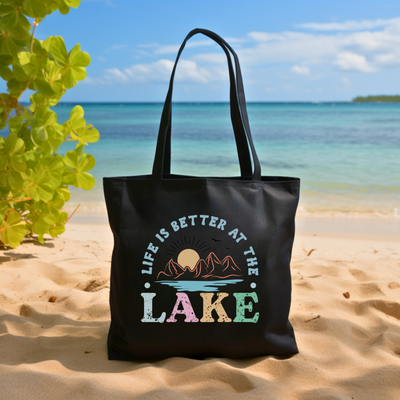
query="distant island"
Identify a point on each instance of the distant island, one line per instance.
(376, 99)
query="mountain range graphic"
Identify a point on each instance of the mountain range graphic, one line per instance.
(210, 268)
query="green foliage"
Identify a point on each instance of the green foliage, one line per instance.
(34, 179)
(377, 99)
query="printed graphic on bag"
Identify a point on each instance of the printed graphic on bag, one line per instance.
(213, 270)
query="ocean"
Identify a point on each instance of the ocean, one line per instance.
(347, 155)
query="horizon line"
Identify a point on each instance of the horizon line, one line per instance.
(197, 102)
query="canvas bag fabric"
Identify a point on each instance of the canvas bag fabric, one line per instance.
(201, 265)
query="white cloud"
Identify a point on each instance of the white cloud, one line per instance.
(160, 71)
(101, 58)
(388, 60)
(149, 45)
(358, 46)
(265, 37)
(380, 47)
(349, 25)
(300, 70)
(173, 48)
(94, 81)
(289, 47)
(157, 71)
(115, 75)
(116, 47)
(216, 58)
(348, 61)
(235, 40)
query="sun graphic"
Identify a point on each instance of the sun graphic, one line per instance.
(188, 258)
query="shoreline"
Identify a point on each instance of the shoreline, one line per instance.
(96, 209)
(94, 226)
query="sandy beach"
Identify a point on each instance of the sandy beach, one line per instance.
(345, 312)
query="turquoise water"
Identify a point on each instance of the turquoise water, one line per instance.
(347, 155)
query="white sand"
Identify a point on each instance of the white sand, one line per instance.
(349, 348)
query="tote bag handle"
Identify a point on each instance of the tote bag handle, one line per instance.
(240, 136)
(239, 117)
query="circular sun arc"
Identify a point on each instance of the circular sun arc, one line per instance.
(188, 258)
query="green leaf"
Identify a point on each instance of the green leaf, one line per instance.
(42, 176)
(64, 192)
(46, 43)
(56, 135)
(37, 185)
(56, 230)
(85, 180)
(6, 60)
(40, 226)
(71, 159)
(6, 73)
(15, 180)
(15, 124)
(14, 229)
(69, 178)
(78, 58)
(58, 50)
(40, 133)
(25, 57)
(49, 219)
(62, 7)
(11, 153)
(45, 129)
(11, 40)
(77, 110)
(45, 191)
(47, 148)
(14, 145)
(32, 192)
(55, 179)
(74, 70)
(59, 227)
(35, 8)
(20, 74)
(57, 164)
(68, 79)
(77, 122)
(36, 62)
(79, 149)
(28, 175)
(13, 17)
(53, 176)
(90, 135)
(86, 163)
(5, 10)
(58, 201)
(17, 162)
(15, 87)
(53, 77)
(73, 3)
(4, 159)
(40, 238)
(36, 99)
(3, 179)
(44, 87)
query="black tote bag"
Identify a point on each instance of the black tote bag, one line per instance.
(201, 266)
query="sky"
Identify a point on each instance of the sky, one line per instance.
(289, 50)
